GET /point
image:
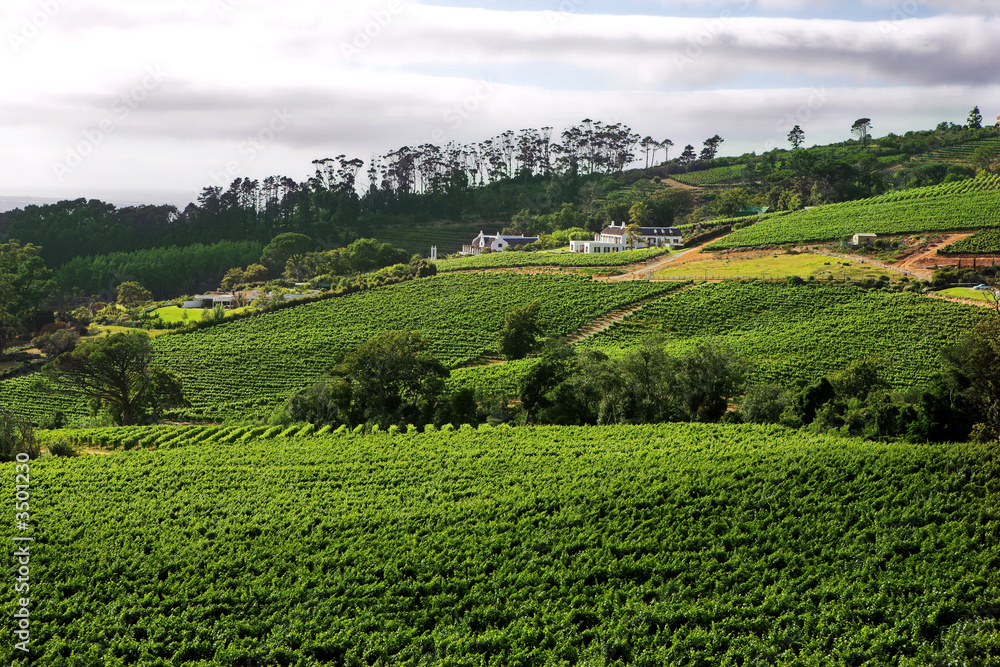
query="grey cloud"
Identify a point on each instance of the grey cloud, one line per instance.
(693, 52)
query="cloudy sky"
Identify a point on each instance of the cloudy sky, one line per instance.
(159, 98)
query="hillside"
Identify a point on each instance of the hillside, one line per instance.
(800, 333)
(248, 367)
(970, 204)
(678, 544)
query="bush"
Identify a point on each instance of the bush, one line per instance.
(62, 448)
(764, 403)
(55, 343)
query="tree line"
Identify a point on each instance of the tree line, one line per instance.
(393, 381)
(530, 169)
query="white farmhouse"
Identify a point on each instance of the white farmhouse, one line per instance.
(496, 243)
(615, 239)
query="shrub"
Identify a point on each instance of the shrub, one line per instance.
(55, 343)
(62, 448)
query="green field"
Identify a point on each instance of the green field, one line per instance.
(801, 333)
(969, 204)
(175, 314)
(510, 260)
(662, 545)
(965, 293)
(243, 369)
(773, 265)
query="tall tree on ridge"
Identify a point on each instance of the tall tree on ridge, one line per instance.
(860, 129)
(796, 136)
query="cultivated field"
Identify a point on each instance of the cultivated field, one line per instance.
(675, 544)
(969, 204)
(247, 367)
(801, 333)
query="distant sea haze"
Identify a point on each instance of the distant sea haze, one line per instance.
(120, 199)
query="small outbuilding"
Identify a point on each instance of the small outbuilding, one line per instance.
(863, 239)
(495, 243)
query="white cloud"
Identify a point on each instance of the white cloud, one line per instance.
(424, 73)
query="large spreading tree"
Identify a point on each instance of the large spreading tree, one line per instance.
(118, 373)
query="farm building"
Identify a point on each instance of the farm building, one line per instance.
(495, 243)
(614, 239)
(210, 300)
(232, 300)
(863, 239)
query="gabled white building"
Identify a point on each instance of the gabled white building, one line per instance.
(615, 239)
(495, 243)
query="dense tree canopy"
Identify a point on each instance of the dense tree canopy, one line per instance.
(25, 284)
(520, 332)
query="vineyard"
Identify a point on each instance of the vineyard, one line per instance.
(801, 333)
(509, 260)
(713, 176)
(985, 242)
(970, 204)
(667, 545)
(961, 153)
(245, 368)
(449, 237)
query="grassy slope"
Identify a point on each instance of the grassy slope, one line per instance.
(971, 204)
(249, 366)
(773, 266)
(802, 333)
(965, 293)
(678, 544)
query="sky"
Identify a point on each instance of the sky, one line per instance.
(153, 100)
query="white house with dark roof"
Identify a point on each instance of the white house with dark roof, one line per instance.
(495, 243)
(614, 239)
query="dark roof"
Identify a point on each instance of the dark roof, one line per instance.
(644, 231)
